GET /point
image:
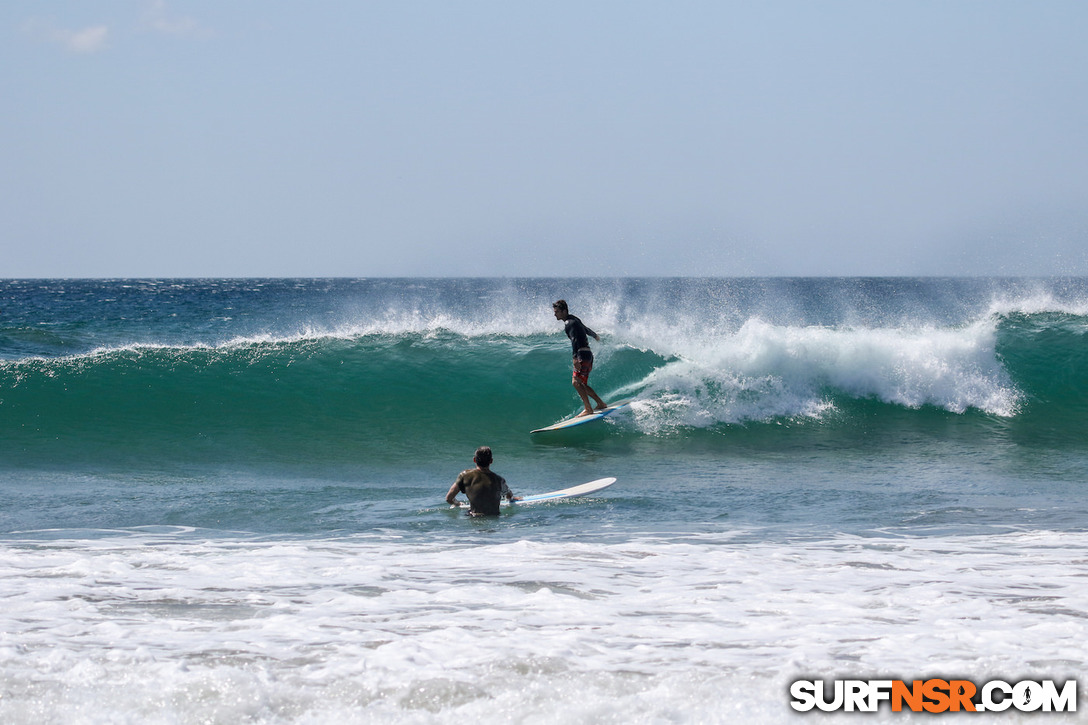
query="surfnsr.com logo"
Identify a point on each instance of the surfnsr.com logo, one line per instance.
(934, 695)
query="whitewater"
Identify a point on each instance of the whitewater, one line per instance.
(223, 499)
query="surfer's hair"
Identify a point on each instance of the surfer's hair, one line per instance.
(483, 456)
(560, 305)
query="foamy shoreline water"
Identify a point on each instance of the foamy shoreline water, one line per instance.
(146, 627)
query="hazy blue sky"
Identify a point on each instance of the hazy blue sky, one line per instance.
(520, 138)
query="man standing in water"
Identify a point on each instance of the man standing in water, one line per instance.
(484, 488)
(579, 336)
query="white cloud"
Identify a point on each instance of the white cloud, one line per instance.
(86, 40)
(158, 18)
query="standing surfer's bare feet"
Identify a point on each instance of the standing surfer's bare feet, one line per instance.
(584, 413)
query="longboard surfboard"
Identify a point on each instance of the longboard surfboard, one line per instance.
(579, 490)
(583, 419)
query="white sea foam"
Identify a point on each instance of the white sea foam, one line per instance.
(764, 371)
(157, 629)
(1037, 302)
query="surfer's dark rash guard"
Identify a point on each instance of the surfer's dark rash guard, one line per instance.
(484, 490)
(579, 337)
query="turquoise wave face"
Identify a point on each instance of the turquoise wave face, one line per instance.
(276, 372)
(326, 399)
(1047, 358)
(342, 399)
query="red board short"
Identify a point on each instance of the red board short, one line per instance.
(582, 368)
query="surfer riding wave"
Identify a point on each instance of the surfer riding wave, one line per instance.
(579, 336)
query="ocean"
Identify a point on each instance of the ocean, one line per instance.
(223, 500)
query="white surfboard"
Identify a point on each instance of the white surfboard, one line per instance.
(580, 490)
(583, 419)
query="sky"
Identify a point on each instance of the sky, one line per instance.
(358, 138)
